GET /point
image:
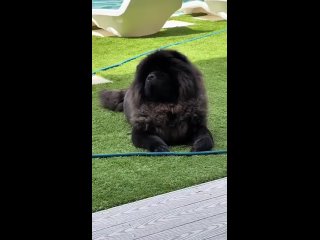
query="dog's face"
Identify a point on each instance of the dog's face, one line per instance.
(166, 76)
(160, 86)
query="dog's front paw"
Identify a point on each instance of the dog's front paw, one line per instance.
(161, 148)
(202, 144)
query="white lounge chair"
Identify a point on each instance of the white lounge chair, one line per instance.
(211, 7)
(196, 6)
(218, 7)
(136, 18)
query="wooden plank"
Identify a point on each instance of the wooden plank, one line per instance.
(222, 236)
(165, 220)
(160, 203)
(214, 227)
(164, 216)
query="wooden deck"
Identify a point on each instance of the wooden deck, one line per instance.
(198, 212)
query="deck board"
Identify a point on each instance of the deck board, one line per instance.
(197, 212)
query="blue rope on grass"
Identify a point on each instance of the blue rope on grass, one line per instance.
(149, 154)
(163, 47)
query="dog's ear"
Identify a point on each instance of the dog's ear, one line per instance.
(179, 56)
(187, 86)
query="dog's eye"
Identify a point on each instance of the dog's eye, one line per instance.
(151, 77)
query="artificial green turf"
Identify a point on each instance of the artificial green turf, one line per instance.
(117, 181)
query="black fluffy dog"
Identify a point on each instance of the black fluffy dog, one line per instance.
(166, 103)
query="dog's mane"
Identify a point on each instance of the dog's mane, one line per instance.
(189, 78)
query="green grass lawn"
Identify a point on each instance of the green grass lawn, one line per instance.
(116, 181)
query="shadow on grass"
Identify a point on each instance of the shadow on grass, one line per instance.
(208, 66)
(168, 32)
(197, 14)
(176, 31)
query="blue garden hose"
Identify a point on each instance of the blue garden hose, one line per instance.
(153, 154)
(163, 47)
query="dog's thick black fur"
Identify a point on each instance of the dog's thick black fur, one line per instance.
(166, 103)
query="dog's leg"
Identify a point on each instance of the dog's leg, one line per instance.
(202, 140)
(148, 141)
